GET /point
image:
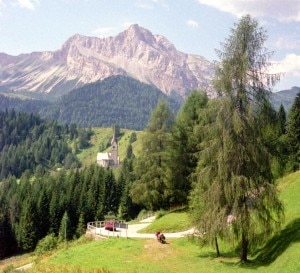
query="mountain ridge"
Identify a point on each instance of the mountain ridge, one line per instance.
(135, 52)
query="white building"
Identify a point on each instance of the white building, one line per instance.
(109, 159)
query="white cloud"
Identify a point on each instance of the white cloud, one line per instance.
(28, 4)
(104, 31)
(192, 23)
(287, 43)
(282, 10)
(290, 65)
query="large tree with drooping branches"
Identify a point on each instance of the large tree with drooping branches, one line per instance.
(234, 196)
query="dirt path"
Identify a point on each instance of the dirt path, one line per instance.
(153, 248)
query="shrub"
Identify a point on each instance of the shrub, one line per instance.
(160, 213)
(46, 244)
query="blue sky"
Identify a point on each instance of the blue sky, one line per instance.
(193, 26)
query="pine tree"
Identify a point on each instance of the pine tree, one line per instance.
(28, 227)
(184, 147)
(150, 189)
(281, 116)
(81, 227)
(65, 233)
(235, 185)
(293, 134)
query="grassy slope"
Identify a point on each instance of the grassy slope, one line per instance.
(171, 222)
(101, 135)
(281, 254)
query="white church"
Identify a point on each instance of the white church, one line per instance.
(110, 159)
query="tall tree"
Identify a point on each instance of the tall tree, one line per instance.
(28, 229)
(293, 134)
(64, 233)
(150, 188)
(235, 185)
(184, 147)
(281, 119)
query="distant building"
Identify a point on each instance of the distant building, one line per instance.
(109, 159)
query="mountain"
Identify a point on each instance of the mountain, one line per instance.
(115, 100)
(136, 52)
(284, 97)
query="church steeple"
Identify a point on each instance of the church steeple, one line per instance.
(114, 149)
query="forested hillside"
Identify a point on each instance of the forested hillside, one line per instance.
(28, 105)
(59, 204)
(29, 143)
(115, 100)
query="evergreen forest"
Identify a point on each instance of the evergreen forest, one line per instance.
(115, 100)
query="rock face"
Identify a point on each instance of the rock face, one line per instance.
(136, 52)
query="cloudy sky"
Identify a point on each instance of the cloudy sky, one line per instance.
(193, 26)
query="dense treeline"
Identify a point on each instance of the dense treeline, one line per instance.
(35, 206)
(29, 143)
(115, 100)
(22, 105)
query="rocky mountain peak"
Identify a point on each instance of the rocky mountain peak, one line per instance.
(135, 52)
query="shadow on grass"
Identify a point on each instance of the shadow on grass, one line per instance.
(278, 244)
(267, 254)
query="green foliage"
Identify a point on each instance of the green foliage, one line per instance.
(47, 244)
(133, 137)
(150, 188)
(28, 226)
(115, 100)
(81, 227)
(29, 143)
(26, 104)
(293, 134)
(234, 179)
(184, 148)
(61, 204)
(64, 233)
(160, 213)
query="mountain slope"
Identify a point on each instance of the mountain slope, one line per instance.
(136, 52)
(115, 100)
(285, 97)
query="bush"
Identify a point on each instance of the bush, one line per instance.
(160, 213)
(46, 244)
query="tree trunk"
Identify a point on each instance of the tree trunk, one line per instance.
(244, 249)
(217, 247)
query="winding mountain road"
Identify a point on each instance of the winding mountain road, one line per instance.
(132, 231)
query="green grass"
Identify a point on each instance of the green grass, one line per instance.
(289, 188)
(171, 222)
(279, 255)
